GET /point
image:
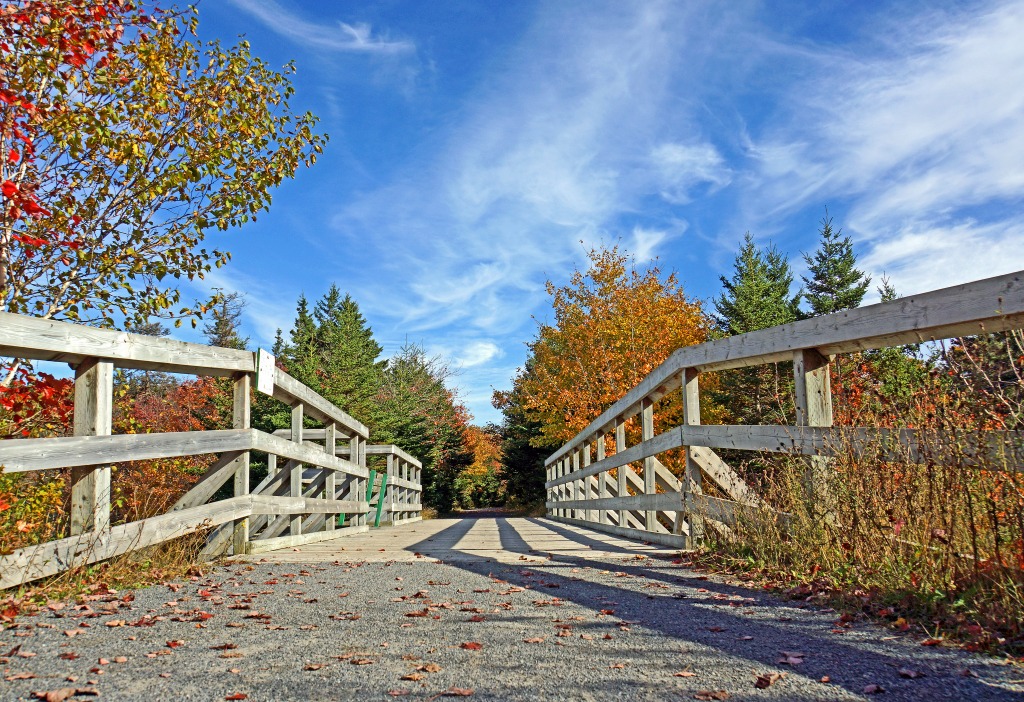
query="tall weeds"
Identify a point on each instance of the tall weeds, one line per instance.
(935, 537)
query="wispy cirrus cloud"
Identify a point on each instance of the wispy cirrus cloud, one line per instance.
(343, 37)
(922, 139)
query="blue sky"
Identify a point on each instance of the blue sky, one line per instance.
(475, 145)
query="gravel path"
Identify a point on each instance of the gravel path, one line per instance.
(517, 609)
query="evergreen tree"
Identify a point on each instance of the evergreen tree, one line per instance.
(757, 296)
(420, 414)
(835, 283)
(301, 356)
(278, 347)
(223, 327)
(351, 372)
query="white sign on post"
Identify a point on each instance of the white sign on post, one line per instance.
(265, 372)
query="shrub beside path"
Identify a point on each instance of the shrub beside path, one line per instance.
(488, 608)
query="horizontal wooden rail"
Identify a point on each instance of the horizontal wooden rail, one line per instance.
(47, 340)
(994, 304)
(53, 557)
(19, 455)
(290, 391)
(968, 448)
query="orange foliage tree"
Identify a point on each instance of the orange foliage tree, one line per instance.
(480, 483)
(613, 324)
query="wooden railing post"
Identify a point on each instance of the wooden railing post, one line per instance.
(693, 483)
(357, 456)
(394, 468)
(602, 484)
(813, 399)
(331, 479)
(577, 484)
(650, 476)
(620, 445)
(240, 419)
(90, 485)
(588, 514)
(297, 470)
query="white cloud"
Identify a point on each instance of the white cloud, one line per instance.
(478, 353)
(681, 167)
(344, 37)
(920, 258)
(922, 141)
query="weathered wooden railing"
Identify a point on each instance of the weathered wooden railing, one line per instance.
(308, 494)
(656, 506)
(396, 490)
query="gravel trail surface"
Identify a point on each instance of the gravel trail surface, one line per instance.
(488, 609)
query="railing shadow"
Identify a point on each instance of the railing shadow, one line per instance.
(704, 618)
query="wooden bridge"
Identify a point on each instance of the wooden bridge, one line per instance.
(327, 483)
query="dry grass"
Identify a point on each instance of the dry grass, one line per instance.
(934, 545)
(161, 563)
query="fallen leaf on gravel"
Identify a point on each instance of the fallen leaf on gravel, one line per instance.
(711, 695)
(361, 661)
(873, 689)
(103, 661)
(791, 658)
(165, 675)
(64, 693)
(430, 668)
(471, 646)
(224, 647)
(175, 644)
(235, 625)
(766, 680)
(68, 656)
(457, 692)
(825, 679)
(967, 673)
(73, 632)
(716, 628)
(314, 666)
(399, 693)
(116, 622)
(121, 659)
(931, 642)
(535, 639)
(415, 677)
(908, 673)
(25, 654)
(617, 666)
(237, 696)
(19, 676)
(684, 674)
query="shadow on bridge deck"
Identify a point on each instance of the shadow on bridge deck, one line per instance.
(646, 588)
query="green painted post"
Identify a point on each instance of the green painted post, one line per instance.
(369, 485)
(341, 519)
(380, 498)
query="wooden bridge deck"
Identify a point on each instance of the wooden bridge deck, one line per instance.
(493, 608)
(498, 539)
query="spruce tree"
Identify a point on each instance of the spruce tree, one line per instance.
(757, 297)
(223, 329)
(301, 356)
(351, 371)
(835, 283)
